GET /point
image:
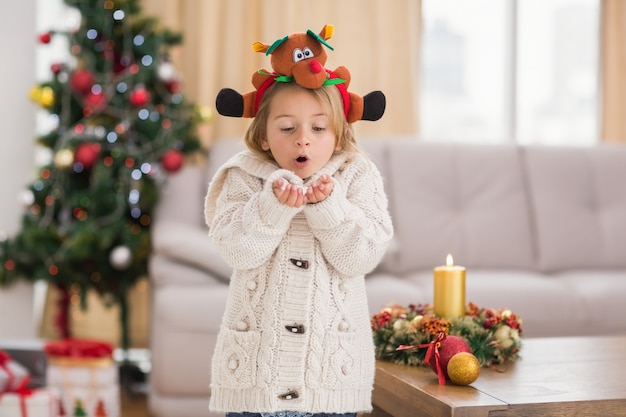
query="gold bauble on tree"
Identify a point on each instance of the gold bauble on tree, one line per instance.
(64, 158)
(463, 368)
(46, 99)
(206, 114)
(44, 96)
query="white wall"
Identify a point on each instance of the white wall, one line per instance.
(18, 40)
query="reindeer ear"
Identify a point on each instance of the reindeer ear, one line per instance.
(259, 47)
(327, 32)
(319, 38)
(275, 45)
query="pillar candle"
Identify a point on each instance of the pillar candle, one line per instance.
(449, 297)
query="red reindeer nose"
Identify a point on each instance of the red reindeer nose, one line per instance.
(316, 67)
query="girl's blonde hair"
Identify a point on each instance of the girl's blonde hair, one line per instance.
(331, 101)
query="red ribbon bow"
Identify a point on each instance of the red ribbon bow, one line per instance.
(433, 350)
(4, 364)
(21, 390)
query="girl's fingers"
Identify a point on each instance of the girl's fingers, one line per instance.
(292, 195)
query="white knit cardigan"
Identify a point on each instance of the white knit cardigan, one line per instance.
(296, 331)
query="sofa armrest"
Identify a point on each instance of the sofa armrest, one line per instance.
(189, 244)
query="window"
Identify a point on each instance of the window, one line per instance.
(510, 71)
(57, 16)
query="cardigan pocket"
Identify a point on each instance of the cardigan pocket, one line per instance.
(341, 364)
(237, 358)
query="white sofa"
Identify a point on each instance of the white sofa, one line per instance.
(541, 230)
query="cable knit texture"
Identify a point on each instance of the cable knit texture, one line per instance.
(296, 332)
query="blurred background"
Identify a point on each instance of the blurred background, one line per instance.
(546, 72)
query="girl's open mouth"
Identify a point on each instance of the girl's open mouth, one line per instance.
(301, 161)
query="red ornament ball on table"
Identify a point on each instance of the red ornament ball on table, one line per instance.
(172, 160)
(449, 347)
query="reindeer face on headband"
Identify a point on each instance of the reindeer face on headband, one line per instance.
(301, 56)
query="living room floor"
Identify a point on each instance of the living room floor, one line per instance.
(134, 405)
(134, 383)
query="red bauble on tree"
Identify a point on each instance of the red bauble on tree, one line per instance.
(56, 68)
(94, 102)
(45, 38)
(120, 63)
(139, 97)
(81, 81)
(172, 160)
(87, 154)
(173, 86)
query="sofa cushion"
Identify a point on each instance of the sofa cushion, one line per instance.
(578, 202)
(220, 152)
(190, 245)
(439, 204)
(182, 196)
(183, 342)
(602, 309)
(385, 289)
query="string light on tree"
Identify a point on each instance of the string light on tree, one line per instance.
(121, 257)
(64, 158)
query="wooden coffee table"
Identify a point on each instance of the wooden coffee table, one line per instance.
(557, 377)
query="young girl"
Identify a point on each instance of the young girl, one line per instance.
(301, 217)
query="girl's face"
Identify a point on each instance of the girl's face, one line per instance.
(299, 133)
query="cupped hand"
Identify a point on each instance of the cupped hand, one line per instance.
(320, 189)
(289, 194)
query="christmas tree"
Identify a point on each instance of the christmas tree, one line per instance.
(100, 409)
(79, 411)
(120, 126)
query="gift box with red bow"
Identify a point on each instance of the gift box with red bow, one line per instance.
(86, 376)
(12, 374)
(40, 402)
(17, 399)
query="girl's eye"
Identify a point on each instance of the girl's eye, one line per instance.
(319, 129)
(286, 129)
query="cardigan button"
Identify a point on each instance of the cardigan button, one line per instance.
(296, 328)
(291, 395)
(300, 263)
(242, 325)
